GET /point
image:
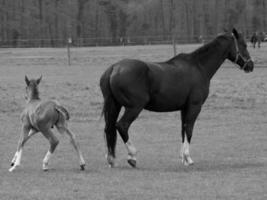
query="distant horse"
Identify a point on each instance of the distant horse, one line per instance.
(41, 116)
(256, 38)
(181, 83)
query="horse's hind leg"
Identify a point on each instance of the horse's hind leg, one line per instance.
(73, 141)
(111, 115)
(123, 125)
(25, 136)
(49, 135)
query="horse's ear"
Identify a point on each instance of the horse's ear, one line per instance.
(39, 80)
(27, 80)
(236, 34)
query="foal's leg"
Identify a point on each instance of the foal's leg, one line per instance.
(49, 135)
(25, 136)
(123, 125)
(73, 141)
(188, 117)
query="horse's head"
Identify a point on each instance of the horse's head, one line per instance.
(32, 91)
(239, 53)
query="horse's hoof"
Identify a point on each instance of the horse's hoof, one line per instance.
(132, 162)
(45, 169)
(82, 167)
(111, 161)
(112, 165)
(190, 162)
(187, 161)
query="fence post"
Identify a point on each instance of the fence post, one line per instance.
(68, 50)
(174, 45)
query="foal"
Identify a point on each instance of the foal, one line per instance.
(42, 116)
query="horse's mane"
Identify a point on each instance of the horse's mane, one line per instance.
(210, 46)
(202, 51)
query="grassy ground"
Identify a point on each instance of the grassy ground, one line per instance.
(229, 143)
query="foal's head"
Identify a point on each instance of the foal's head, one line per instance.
(239, 53)
(32, 91)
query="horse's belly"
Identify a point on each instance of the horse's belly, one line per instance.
(166, 102)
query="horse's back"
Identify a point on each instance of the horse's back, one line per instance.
(157, 87)
(42, 114)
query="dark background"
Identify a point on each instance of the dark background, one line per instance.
(31, 23)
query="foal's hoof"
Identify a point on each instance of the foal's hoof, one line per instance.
(12, 164)
(45, 167)
(11, 169)
(82, 167)
(132, 162)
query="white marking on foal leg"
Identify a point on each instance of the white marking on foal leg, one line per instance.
(77, 148)
(17, 161)
(46, 159)
(14, 159)
(186, 159)
(82, 162)
(31, 132)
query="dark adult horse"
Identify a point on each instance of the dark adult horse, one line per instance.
(181, 83)
(255, 38)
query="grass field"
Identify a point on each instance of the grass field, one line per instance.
(229, 144)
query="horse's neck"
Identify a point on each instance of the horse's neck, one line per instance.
(209, 59)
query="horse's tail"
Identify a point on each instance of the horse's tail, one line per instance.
(63, 111)
(110, 111)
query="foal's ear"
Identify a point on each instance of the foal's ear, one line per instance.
(39, 80)
(27, 80)
(236, 34)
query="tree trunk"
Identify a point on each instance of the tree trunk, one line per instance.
(41, 31)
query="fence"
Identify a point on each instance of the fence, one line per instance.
(103, 41)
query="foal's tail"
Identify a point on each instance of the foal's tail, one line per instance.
(110, 111)
(63, 111)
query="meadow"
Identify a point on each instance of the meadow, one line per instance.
(229, 144)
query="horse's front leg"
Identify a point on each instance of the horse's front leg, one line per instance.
(25, 136)
(188, 117)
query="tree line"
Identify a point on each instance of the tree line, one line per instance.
(100, 22)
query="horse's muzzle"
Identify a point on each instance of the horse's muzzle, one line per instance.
(249, 66)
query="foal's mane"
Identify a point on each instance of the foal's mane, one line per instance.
(35, 91)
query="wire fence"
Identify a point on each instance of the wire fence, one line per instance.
(72, 45)
(102, 41)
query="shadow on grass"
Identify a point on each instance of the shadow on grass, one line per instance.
(204, 166)
(201, 166)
